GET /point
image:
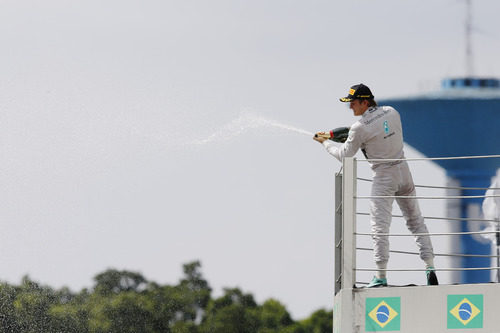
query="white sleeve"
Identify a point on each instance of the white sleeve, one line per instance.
(332, 149)
(348, 148)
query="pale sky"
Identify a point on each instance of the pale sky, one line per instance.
(101, 102)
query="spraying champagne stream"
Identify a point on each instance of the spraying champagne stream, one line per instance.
(245, 122)
(248, 121)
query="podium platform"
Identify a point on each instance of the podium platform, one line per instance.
(417, 309)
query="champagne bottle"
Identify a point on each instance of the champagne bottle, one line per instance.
(339, 134)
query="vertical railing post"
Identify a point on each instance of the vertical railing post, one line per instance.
(348, 278)
(338, 232)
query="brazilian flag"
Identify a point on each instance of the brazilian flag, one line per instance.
(382, 314)
(465, 311)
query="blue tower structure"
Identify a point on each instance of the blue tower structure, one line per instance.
(463, 119)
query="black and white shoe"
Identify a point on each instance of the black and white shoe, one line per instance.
(432, 279)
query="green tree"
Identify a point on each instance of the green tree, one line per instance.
(195, 290)
(70, 315)
(321, 321)
(125, 302)
(180, 308)
(32, 306)
(129, 312)
(234, 312)
(119, 303)
(274, 317)
(8, 321)
(113, 281)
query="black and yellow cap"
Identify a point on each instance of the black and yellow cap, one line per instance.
(358, 91)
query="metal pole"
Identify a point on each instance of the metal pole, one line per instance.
(469, 62)
(348, 278)
(498, 248)
(338, 233)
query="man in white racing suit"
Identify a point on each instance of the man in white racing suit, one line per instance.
(379, 135)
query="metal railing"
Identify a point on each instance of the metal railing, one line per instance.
(346, 213)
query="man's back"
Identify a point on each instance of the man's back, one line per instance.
(380, 133)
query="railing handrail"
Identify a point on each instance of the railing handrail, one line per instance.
(427, 158)
(347, 207)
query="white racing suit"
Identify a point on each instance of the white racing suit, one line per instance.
(379, 135)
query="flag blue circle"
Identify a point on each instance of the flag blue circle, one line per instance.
(465, 311)
(382, 314)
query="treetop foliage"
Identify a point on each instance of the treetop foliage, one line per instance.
(126, 302)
